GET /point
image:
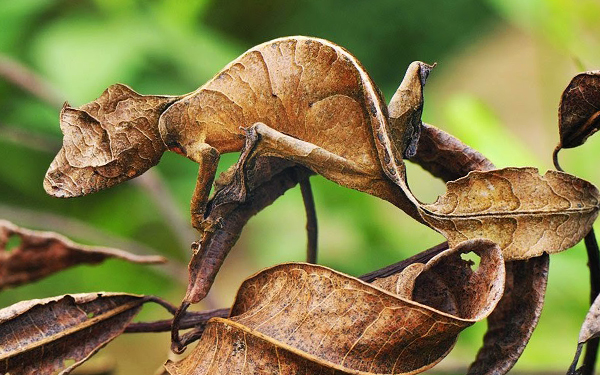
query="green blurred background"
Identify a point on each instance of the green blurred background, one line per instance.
(502, 66)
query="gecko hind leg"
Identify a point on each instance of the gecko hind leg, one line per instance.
(238, 186)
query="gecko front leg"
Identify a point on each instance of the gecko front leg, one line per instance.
(207, 158)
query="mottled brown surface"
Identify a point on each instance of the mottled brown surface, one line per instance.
(446, 157)
(579, 111)
(228, 213)
(512, 323)
(591, 325)
(525, 213)
(39, 254)
(308, 89)
(107, 141)
(315, 320)
(514, 319)
(38, 336)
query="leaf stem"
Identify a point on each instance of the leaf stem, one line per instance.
(177, 345)
(168, 306)
(191, 319)
(591, 348)
(573, 368)
(421, 257)
(555, 158)
(311, 220)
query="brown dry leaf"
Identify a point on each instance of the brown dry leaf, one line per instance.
(301, 318)
(446, 157)
(405, 110)
(579, 111)
(511, 324)
(107, 141)
(524, 213)
(589, 330)
(59, 333)
(39, 254)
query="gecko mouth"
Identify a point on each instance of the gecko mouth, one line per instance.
(61, 179)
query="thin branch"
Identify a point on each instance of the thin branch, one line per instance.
(591, 348)
(573, 368)
(392, 269)
(439, 370)
(178, 346)
(311, 220)
(192, 319)
(31, 140)
(161, 196)
(593, 253)
(168, 306)
(77, 229)
(19, 75)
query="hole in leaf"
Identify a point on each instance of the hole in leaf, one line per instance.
(13, 242)
(90, 315)
(68, 362)
(473, 260)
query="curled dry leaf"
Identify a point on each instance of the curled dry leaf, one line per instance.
(524, 213)
(48, 335)
(589, 330)
(446, 157)
(511, 324)
(38, 254)
(301, 318)
(514, 319)
(579, 110)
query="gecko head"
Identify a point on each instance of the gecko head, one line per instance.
(107, 141)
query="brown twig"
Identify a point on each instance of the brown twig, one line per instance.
(184, 319)
(573, 368)
(78, 229)
(311, 220)
(593, 254)
(591, 348)
(168, 306)
(177, 344)
(191, 319)
(31, 140)
(154, 185)
(392, 269)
